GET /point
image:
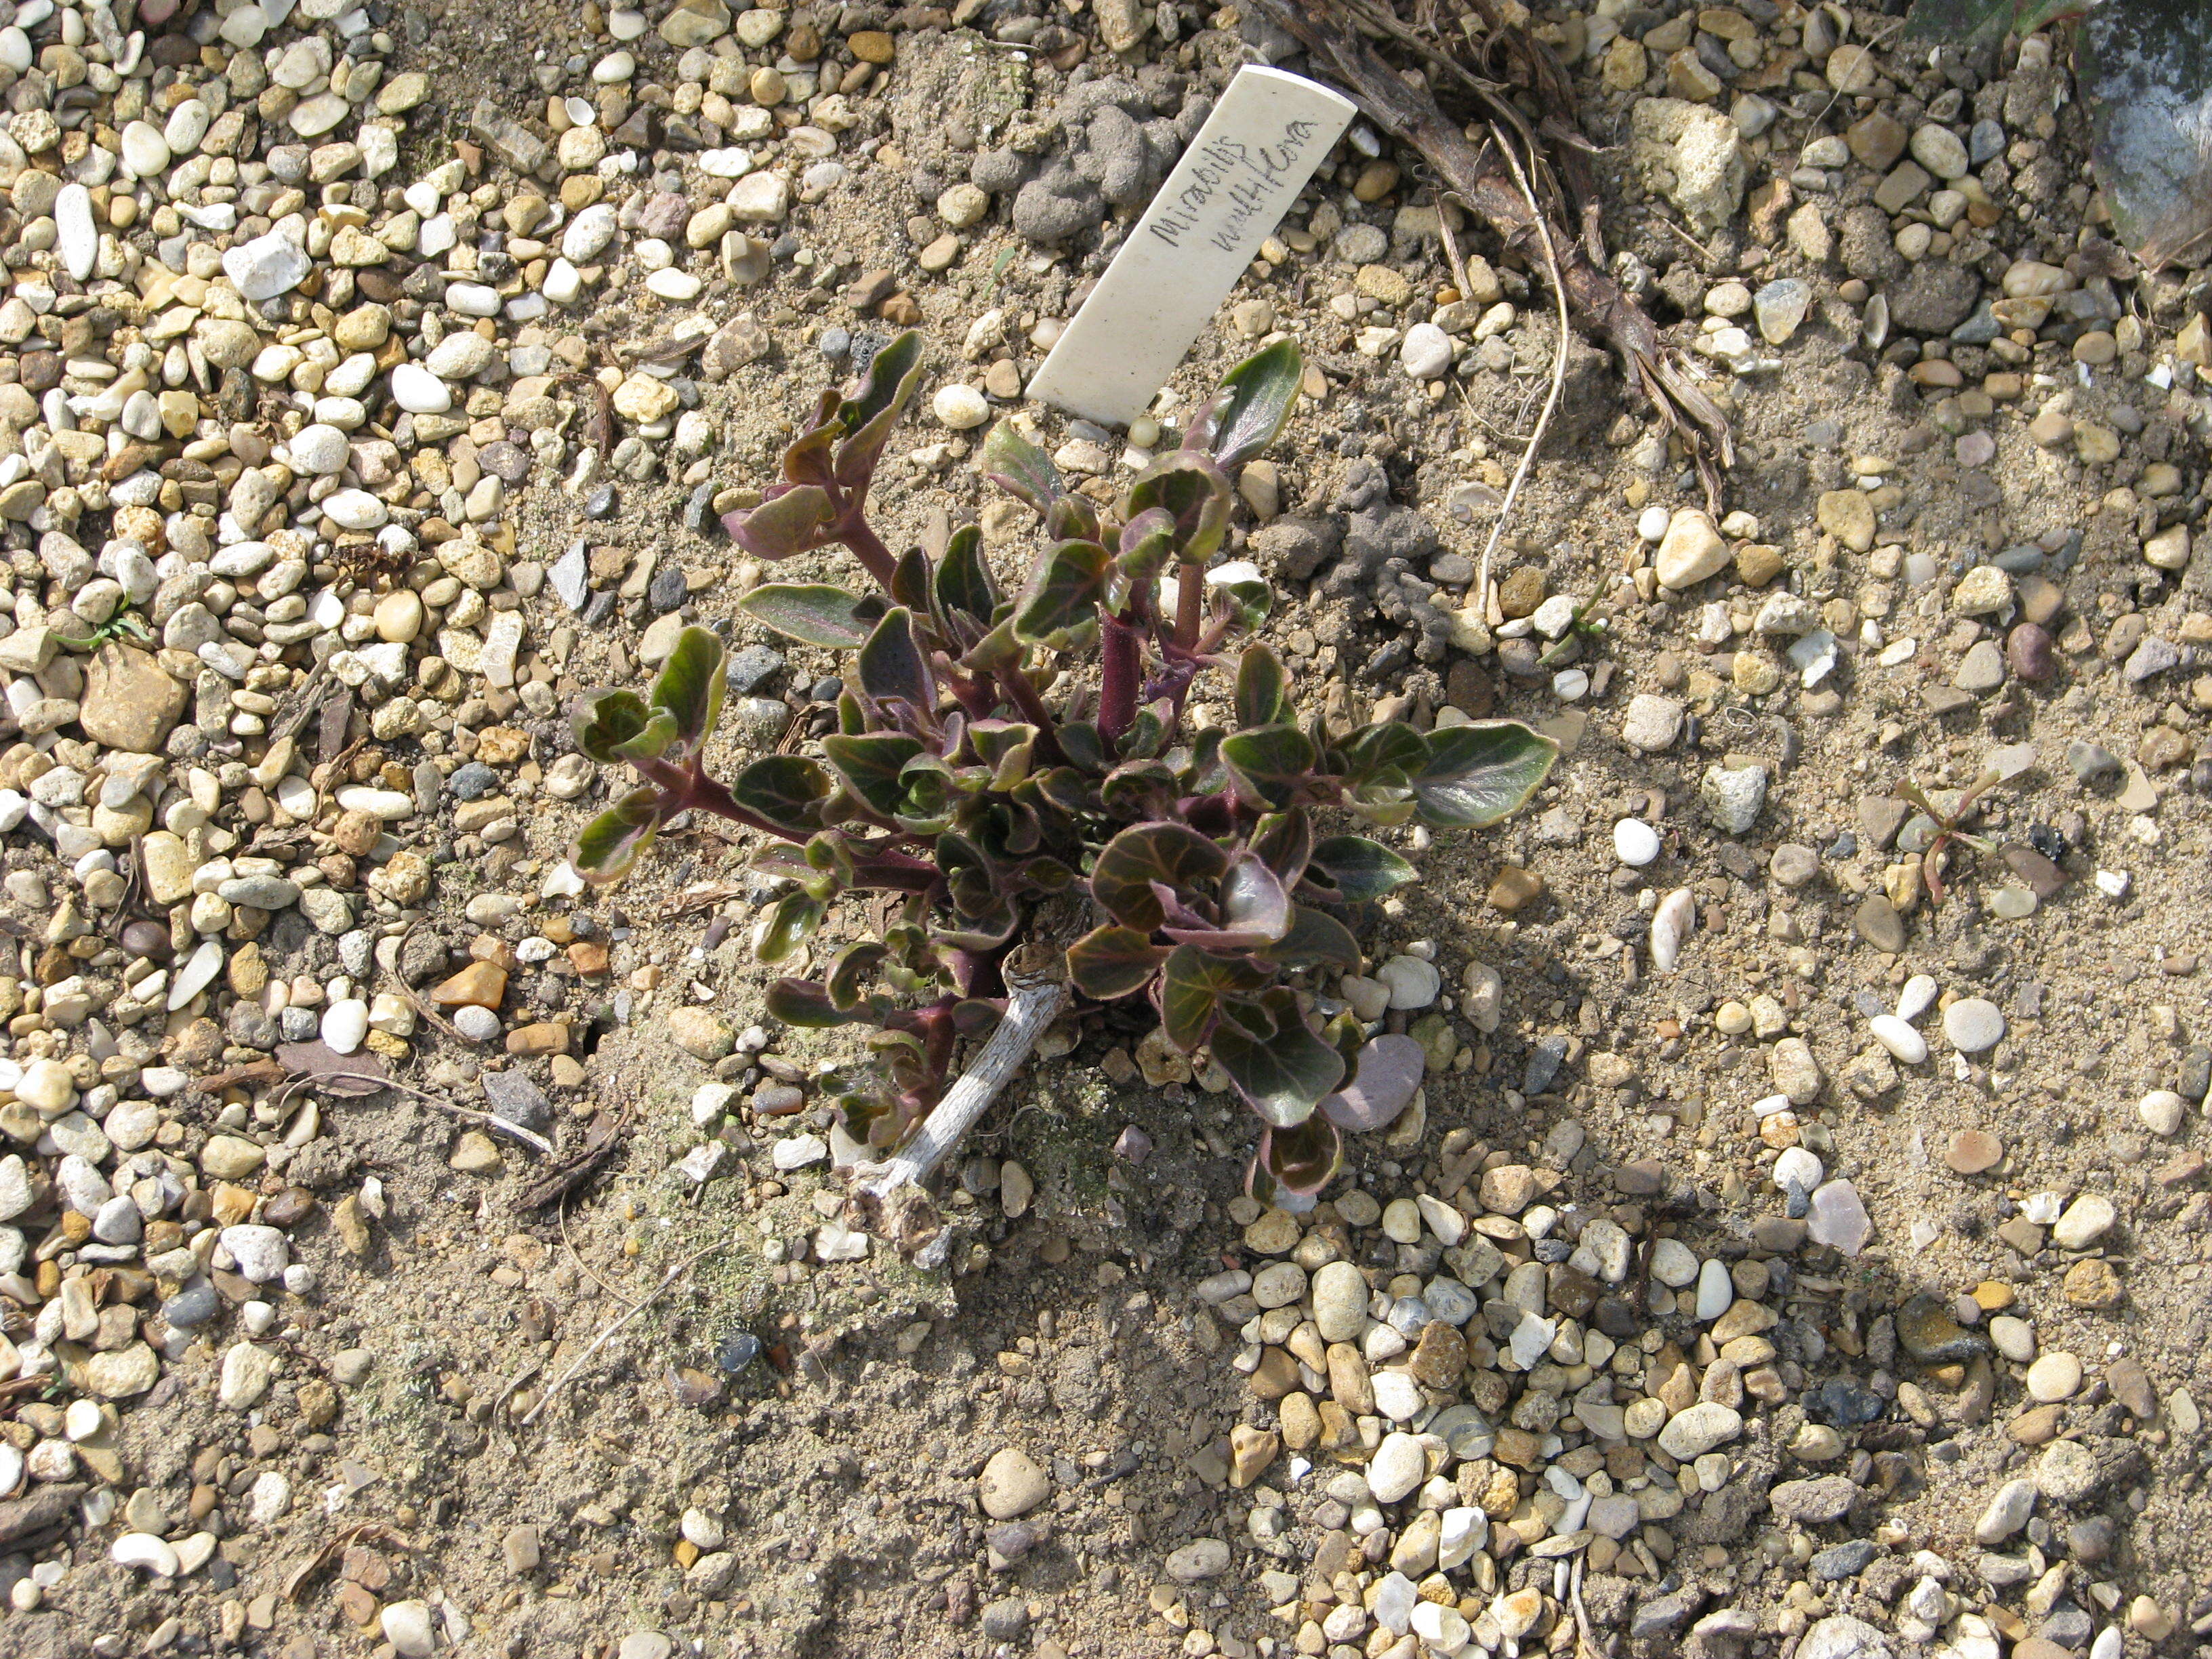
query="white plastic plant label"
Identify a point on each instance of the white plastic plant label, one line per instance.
(1226, 195)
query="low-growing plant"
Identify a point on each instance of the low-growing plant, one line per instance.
(1013, 768)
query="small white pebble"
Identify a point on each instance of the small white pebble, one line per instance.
(1635, 842)
(960, 407)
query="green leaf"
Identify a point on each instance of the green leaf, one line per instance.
(806, 459)
(1302, 1159)
(1477, 773)
(1147, 544)
(2145, 71)
(1358, 868)
(1080, 743)
(910, 582)
(1171, 853)
(1007, 747)
(610, 843)
(789, 790)
(1285, 1073)
(1391, 749)
(1193, 984)
(1149, 732)
(894, 375)
(1969, 23)
(787, 927)
(1263, 689)
(1286, 841)
(850, 971)
(690, 685)
(1139, 789)
(872, 766)
(606, 720)
(983, 930)
(805, 1004)
(1063, 593)
(1269, 762)
(1020, 468)
(891, 666)
(828, 857)
(1195, 494)
(1315, 938)
(813, 613)
(964, 584)
(793, 520)
(1256, 400)
(1072, 518)
(1244, 605)
(997, 649)
(1112, 961)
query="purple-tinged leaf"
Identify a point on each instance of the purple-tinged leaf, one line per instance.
(788, 790)
(850, 971)
(1315, 938)
(891, 666)
(788, 522)
(893, 376)
(1388, 749)
(609, 845)
(1383, 1083)
(1270, 764)
(872, 767)
(1286, 842)
(1256, 400)
(1072, 518)
(1172, 853)
(1244, 605)
(1146, 546)
(1301, 1159)
(690, 685)
(1284, 1075)
(1112, 961)
(964, 583)
(787, 927)
(813, 613)
(1253, 907)
(805, 1004)
(1062, 594)
(1191, 989)
(607, 722)
(1020, 468)
(1474, 775)
(1357, 869)
(1195, 494)
(1263, 689)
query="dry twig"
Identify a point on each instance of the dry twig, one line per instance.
(529, 1138)
(1483, 177)
(1558, 379)
(608, 1334)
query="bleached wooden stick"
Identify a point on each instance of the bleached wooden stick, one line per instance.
(1030, 1013)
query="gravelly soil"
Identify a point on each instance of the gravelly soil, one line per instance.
(842, 1465)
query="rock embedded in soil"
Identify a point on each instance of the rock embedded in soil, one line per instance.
(1012, 1484)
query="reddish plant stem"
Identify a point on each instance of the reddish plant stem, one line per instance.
(1120, 668)
(866, 546)
(1023, 696)
(1190, 596)
(971, 693)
